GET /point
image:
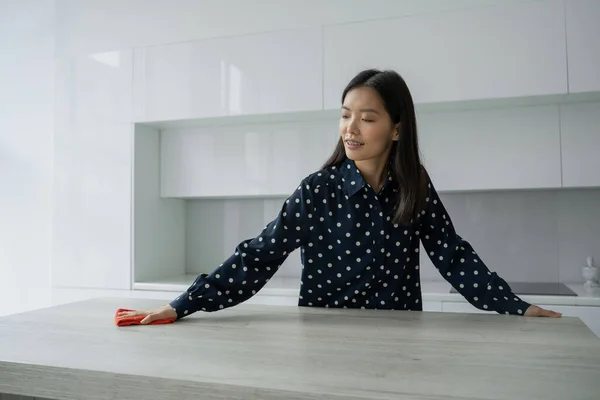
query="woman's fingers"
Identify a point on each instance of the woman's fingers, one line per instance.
(535, 311)
(160, 313)
(131, 313)
(551, 314)
(149, 318)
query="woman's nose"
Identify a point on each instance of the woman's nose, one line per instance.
(350, 126)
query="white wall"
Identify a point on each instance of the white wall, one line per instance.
(26, 125)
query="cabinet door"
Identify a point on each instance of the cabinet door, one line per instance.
(495, 52)
(91, 228)
(515, 148)
(580, 144)
(463, 307)
(261, 160)
(273, 300)
(590, 316)
(583, 46)
(435, 306)
(94, 89)
(252, 74)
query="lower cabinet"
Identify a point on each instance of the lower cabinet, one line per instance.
(461, 307)
(588, 315)
(435, 306)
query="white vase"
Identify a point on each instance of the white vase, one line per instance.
(591, 274)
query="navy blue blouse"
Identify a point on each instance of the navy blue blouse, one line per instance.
(353, 255)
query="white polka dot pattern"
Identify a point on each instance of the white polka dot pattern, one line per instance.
(459, 264)
(353, 253)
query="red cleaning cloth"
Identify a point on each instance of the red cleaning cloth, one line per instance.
(124, 320)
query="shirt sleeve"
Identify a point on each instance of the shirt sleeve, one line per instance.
(460, 265)
(254, 261)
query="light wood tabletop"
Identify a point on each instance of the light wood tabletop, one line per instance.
(75, 351)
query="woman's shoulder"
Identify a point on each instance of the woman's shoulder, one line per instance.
(323, 177)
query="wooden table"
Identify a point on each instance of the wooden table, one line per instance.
(75, 351)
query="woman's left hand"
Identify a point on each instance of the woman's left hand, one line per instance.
(535, 311)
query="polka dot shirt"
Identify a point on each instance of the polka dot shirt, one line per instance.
(352, 253)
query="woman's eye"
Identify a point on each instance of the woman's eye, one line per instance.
(367, 120)
(344, 116)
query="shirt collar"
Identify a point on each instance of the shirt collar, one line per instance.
(352, 179)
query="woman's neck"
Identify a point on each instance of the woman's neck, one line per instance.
(374, 172)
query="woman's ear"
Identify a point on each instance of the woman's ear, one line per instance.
(397, 131)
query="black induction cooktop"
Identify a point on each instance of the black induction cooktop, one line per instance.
(538, 288)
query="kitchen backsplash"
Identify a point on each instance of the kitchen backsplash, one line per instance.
(526, 235)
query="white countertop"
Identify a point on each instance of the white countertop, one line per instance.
(434, 291)
(440, 291)
(297, 353)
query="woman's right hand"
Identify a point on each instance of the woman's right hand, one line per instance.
(163, 312)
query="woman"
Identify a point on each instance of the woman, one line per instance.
(359, 221)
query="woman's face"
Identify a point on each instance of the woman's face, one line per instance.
(365, 127)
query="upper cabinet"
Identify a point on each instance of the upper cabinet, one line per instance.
(495, 52)
(94, 89)
(252, 74)
(92, 157)
(580, 144)
(246, 160)
(583, 45)
(496, 149)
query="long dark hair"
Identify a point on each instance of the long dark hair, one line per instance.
(405, 161)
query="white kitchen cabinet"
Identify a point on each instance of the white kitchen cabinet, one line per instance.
(495, 52)
(251, 74)
(580, 144)
(511, 148)
(159, 225)
(435, 306)
(91, 228)
(260, 160)
(588, 315)
(583, 46)
(94, 89)
(91, 215)
(461, 307)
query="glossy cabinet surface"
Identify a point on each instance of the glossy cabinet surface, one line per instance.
(94, 89)
(261, 160)
(580, 144)
(583, 46)
(91, 228)
(493, 52)
(253, 74)
(510, 148)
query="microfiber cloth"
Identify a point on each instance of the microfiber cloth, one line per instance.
(124, 321)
